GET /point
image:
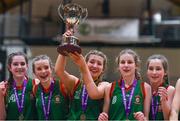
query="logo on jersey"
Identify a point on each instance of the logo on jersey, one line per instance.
(77, 94)
(57, 99)
(114, 99)
(137, 99)
(12, 98)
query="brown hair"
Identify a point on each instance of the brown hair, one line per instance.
(41, 57)
(101, 54)
(164, 63)
(9, 61)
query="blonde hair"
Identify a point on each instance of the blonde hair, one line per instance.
(136, 59)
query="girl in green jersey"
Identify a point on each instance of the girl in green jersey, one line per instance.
(162, 92)
(128, 98)
(51, 96)
(19, 100)
(85, 93)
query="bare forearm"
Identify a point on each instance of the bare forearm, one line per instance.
(2, 109)
(60, 65)
(174, 115)
(60, 71)
(89, 83)
(166, 109)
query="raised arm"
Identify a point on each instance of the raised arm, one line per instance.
(94, 92)
(68, 79)
(176, 102)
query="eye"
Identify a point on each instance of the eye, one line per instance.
(92, 61)
(23, 63)
(150, 68)
(15, 64)
(130, 62)
(39, 68)
(122, 62)
(46, 67)
(158, 68)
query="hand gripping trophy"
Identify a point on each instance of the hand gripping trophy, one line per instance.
(72, 14)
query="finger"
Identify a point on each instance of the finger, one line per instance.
(105, 115)
(73, 56)
(138, 115)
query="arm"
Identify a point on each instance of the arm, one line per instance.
(2, 103)
(104, 115)
(2, 109)
(107, 99)
(175, 103)
(68, 80)
(94, 92)
(166, 100)
(147, 100)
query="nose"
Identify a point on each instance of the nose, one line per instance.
(95, 65)
(43, 70)
(126, 64)
(19, 66)
(154, 71)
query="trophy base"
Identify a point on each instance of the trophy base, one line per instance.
(69, 44)
(68, 48)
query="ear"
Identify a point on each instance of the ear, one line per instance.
(9, 68)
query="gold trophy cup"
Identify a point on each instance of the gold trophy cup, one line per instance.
(72, 14)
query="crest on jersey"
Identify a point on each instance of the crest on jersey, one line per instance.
(57, 99)
(137, 99)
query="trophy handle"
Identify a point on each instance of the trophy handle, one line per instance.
(84, 13)
(60, 9)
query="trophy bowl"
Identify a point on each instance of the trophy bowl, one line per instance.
(72, 14)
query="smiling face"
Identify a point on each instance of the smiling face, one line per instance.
(127, 65)
(156, 72)
(42, 70)
(18, 67)
(95, 65)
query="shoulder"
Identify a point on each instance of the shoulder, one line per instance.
(147, 87)
(171, 89)
(178, 84)
(103, 83)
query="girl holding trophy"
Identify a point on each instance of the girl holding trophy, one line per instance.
(86, 93)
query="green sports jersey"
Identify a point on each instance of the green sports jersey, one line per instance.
(94, 107)
(59, 103)
(117, 110)
(159, 115)
(29, 111)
